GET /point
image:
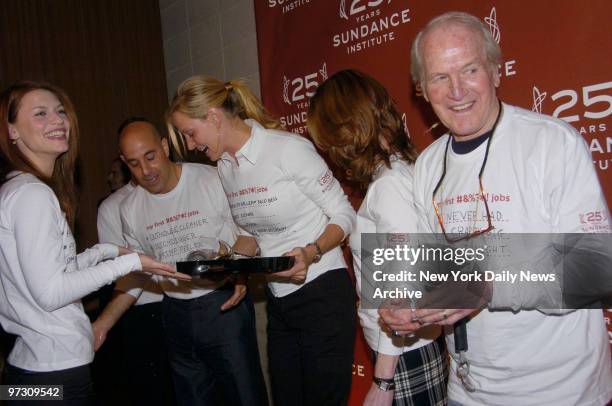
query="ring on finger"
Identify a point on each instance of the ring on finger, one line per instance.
(444, 315)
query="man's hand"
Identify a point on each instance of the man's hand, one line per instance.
(99, 334)
(400, 321)
(442, 317)
(240, 290)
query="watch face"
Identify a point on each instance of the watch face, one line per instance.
(318, 254)
(384, 385)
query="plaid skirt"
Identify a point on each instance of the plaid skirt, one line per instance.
(421, 376)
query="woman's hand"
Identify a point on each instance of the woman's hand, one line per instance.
(384, 367)
(378, 397)
(303, 258)
(123, 251)
(149, 265)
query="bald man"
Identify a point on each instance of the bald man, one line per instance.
(140, 332)
(209, 325)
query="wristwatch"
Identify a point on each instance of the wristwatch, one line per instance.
(384, 385)
(318, 254)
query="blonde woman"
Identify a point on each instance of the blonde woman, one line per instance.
(283, 197)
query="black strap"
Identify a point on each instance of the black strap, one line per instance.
(460, 335)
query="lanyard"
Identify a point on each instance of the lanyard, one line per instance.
(461, 347)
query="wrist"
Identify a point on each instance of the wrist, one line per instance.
(315, 250)
(384, 384)
(309, 254)
(386, 373)
(386, 364)
(101, 324)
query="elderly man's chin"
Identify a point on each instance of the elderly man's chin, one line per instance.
(465, 129)
(469, 124)
(465, 133)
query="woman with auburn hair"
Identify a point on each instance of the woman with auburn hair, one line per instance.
(41, 276)
(353, 118)
(282, 195)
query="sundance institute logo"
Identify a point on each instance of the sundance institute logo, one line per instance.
(357, 6)
(300, 88)
(405, 123)
(288, 5)
(538, 98)
(369, 24)
(491, 21)
(296, 93)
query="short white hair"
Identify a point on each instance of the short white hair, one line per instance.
(491, 48)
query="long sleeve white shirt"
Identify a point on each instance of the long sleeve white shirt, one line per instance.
(281, 192)
(110, 231)
(109, 218)
(539, 178)
(387, 208)
(42, 279)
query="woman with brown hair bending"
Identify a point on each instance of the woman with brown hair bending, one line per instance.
(354, 119)
(41, 278)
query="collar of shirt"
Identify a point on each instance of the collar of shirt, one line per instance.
(250, 150)
(382, 167)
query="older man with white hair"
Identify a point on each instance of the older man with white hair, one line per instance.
(543, 170)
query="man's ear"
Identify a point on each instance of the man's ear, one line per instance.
(165, 146)
(496, 76)
(424, 93)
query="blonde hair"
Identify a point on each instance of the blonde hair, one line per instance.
(199, 93)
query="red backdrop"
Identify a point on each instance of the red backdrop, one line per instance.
(557, 60)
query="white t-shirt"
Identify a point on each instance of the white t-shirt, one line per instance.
(42, 279)
(169, 226)
(539, 178)
(110, 231)
(109, 220)
(282, 192)
(386, 208)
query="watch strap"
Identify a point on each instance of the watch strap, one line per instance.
(319, 252)
(384, 384)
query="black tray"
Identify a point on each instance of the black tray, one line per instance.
(235, 266)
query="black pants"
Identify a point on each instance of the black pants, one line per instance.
(213, 354)
(311, 336)
(145, 356)
(78, 386)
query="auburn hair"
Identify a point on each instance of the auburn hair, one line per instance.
(353, 118)
(11, 158)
